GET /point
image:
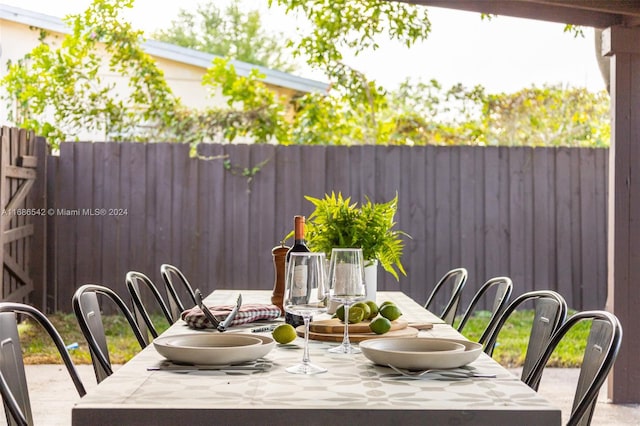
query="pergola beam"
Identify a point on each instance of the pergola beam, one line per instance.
(622, 45)
(591, 13)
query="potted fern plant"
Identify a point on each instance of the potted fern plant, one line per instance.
(337, 222)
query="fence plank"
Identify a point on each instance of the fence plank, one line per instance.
(468, 222)
(339, 171)
(217, 230)
(108, 165)
(129, 181)
(413, 196)
(588, 220)
(142, 211)
(184, 214)
(600, 230)
(564, 266)
(37, 200)
(517, 208)
(264, 234)
(388, 178)
(65, 243)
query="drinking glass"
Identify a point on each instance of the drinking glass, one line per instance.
(346, 286)
(305, 294)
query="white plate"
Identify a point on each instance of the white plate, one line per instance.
(213, 349)
(404, 352)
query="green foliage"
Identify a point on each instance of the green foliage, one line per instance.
(575, 30)
(338, 27)
(264, 116)
(252, 109)
(547, 116)
(325, 120)
(232, 32)
(336, 222)
(67, 81)
(426, 113)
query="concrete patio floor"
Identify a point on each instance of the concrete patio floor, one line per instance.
(53, 394)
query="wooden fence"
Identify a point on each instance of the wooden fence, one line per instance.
(536, 215)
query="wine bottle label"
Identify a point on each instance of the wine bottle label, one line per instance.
(299, 281)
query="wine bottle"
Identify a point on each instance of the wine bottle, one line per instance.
(300, 246)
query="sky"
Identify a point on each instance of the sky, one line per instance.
(503, 54)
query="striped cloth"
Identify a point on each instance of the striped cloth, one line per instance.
(250, 312)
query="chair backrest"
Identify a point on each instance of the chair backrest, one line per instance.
(455, 278)
(86, 307)
(140, 312)
(13, 383)
(600, 353)
(503, 287)
(550, 311)
(176, 305)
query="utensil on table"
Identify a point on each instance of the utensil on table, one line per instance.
(221, 326)
(453, 372)
(184, 367)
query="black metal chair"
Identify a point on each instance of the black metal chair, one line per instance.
(503, 287)
(550, 311)
(600, 353)
(13, 382)
(457, 277)
(140, 312)
(176, 306)
(86, 307)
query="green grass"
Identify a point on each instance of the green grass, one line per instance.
(38, 348)
(513, 340)
(509, 352)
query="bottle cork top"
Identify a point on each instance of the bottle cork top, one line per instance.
(299, 227)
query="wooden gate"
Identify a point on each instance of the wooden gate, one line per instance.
(22, 214)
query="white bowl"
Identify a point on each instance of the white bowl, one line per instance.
(213, 349)
(417, 353)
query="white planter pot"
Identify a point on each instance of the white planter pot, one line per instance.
(371, 279)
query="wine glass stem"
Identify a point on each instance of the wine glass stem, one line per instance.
(305, 353)
(345, 339)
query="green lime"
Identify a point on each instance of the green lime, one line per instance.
(356, 315)
(340, 313)
(385, 303)
(284, 333)
(390, 312)
(380, 325)
(373, 308)
(366, 310)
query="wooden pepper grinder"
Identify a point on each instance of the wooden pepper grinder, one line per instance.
(279, 254)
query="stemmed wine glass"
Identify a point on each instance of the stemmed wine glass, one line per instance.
(305, 294)
(346, 286)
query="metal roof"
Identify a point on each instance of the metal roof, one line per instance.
(169, 51)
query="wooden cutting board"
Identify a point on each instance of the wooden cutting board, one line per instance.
(335, 326)
(357, 337)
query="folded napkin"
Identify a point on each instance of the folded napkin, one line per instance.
(247, 313)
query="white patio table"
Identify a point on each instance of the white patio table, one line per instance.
(354, 391)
